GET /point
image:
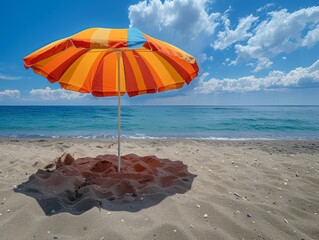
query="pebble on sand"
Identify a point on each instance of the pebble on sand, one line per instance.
(205, 215)
(237, 195)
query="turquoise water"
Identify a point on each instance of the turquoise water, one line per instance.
(207, 122)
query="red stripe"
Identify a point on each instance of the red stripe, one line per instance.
(80, 43)
(97, 82)
(196, 68)
(116, 44)
(130, 80)
(184, 74)
(34, 57)
(105, 94)
(147, 75)
(55, 75)
(98, 78)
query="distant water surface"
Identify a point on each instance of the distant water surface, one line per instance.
(202, 122)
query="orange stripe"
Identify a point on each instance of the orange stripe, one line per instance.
(45, 52)
(77, 73)
(55, 66)
(118, 38)
(156, 44)
(106, 79)
(83, 38)
(88, 82)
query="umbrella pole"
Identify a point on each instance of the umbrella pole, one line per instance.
(118, 115)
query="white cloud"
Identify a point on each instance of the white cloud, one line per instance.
(283, 32)
(10, 93)
(55, 94)
(184, 23)
(297, 78)
(7, 77)
(203, 58)
(203, 76)
(268, 5)
(311, 38)
(228, 37)
(262, 64)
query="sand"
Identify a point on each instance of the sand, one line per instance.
(234, 190)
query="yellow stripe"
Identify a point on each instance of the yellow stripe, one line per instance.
(90, 77)
(78, 71)
(99, 38)
(118, 35)
(84, 35)
(51, 63)
(122, 76)
(165, 71)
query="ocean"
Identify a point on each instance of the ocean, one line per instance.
(140, 122)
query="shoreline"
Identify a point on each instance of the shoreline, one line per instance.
(286, 145)
(13, 139)
(248, 189)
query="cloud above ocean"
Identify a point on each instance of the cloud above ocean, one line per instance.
(11, 93)
(297, 78)
(55, 94)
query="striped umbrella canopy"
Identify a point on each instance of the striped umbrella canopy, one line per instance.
(112, 62)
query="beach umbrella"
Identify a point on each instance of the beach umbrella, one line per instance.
(112, 62)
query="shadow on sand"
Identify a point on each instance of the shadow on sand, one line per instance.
(76, 186)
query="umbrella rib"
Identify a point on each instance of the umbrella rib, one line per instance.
(71, 42)
(119, 112)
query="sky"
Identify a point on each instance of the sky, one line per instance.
(249, 52)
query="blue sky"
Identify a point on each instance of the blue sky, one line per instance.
(249, 52)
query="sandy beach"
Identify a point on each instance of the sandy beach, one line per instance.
(240, 190)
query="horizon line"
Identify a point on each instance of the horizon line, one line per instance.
(164, 105)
